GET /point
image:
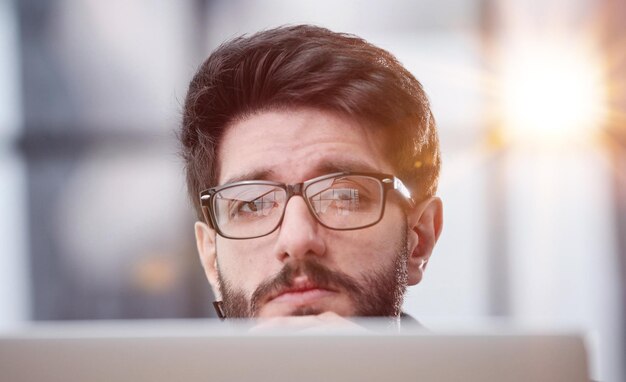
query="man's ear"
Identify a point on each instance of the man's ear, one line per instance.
(425, 222)
(205, 240)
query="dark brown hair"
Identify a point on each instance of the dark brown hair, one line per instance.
(308, 66)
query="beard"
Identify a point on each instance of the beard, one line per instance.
(380, 292)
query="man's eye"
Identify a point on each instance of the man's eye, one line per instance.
(252, 206)
(346, 194)
(350, 195)
(337, 199)
(242, 207)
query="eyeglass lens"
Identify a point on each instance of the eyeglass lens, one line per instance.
(343, 202)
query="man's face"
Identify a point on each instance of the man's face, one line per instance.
(303, 267)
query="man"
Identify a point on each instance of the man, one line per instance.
(312, 159)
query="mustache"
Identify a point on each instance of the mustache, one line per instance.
(317, 273)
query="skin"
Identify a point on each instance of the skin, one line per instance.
(292, 146)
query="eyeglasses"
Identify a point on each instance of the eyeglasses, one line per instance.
(339, 201)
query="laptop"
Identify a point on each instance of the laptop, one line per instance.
(213, 351)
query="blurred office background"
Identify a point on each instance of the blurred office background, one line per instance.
(530, 99)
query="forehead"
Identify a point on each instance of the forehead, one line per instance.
(294, 145)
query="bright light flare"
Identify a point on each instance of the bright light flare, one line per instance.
(552, 91)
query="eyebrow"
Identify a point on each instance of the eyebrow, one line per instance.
(343, 166)
(321, 169)
(258, 174)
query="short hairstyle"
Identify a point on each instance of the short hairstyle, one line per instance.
(308, 66)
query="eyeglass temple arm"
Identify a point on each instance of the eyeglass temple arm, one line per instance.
(401, 188)
(205, 210)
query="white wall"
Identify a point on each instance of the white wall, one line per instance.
(14, 280)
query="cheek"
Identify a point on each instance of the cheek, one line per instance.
(243, 263)
(362, 251)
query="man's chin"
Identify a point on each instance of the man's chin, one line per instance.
(282, 310)
(307, 311)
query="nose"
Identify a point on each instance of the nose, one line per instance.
(298, 235)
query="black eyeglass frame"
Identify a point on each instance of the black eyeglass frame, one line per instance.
(387, 181)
